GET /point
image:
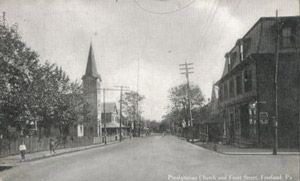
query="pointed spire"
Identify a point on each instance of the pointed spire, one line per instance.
(91, 69)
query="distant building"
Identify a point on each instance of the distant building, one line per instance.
(111, 112)
(91, 89)
(110, 117)
(206, 119)
(247, 86)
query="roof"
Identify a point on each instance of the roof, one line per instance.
(110, 107)
(283, 18)
(113, 125)
(91, 69)
(225, 70)
(255, 57)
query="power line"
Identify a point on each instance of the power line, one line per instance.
(162, 13)
(208, 22)
(212, 19)
(237, 5)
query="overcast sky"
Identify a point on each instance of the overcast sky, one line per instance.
(161, 34)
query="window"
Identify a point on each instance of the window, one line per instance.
(241, 52)
(238, 81)
(225, 91)
(231, 88)
(287, 37)
(247, 80)
(80, 130)
(221, 93)
(229, 63)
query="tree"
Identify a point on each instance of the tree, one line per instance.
(35, 92)
(17, 65)
(178, 96)
(178, 109)
(130, 102)
(130, 107)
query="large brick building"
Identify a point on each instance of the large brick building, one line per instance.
(247, 86)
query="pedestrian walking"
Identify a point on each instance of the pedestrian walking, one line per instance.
(22, 149)
(52, 146)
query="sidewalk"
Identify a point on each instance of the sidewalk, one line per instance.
(13, 160)
(234, 150)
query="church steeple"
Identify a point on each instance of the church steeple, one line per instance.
(91, 69)
(91, 82)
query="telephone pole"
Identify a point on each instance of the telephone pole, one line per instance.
(275, 119)
(104, 115)
(137, 100)
(121, 88)
(187, 67)
(104, 119)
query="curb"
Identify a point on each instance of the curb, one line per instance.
(244, 153)
(73, 151)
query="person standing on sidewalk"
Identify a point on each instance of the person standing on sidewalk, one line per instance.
(52, 146)
(22, 149)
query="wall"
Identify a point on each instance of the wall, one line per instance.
(288, 97)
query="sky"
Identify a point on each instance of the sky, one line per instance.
(149, 38)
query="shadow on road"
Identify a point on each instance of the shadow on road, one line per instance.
(2, 168)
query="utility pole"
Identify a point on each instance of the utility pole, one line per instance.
(121, 100)
(275, 121)
(186, 68)
(298, 55)
(137, 100)
(104, 119)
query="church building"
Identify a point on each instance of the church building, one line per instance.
(91, 90)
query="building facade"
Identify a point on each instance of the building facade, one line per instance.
(247, 99)
(206, 119)
(111, 118)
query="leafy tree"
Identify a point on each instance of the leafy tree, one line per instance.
(31, 91)
(131, 111)
(178, 96)
(17, 64)
(130, 101)
(178, 109)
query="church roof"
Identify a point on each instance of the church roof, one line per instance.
(91, 69)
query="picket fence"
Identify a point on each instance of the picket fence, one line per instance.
(35, 144)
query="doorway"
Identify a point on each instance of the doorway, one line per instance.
(245, 126)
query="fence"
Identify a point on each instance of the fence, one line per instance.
(34, 144)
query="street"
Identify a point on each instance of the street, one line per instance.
(155, 158)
